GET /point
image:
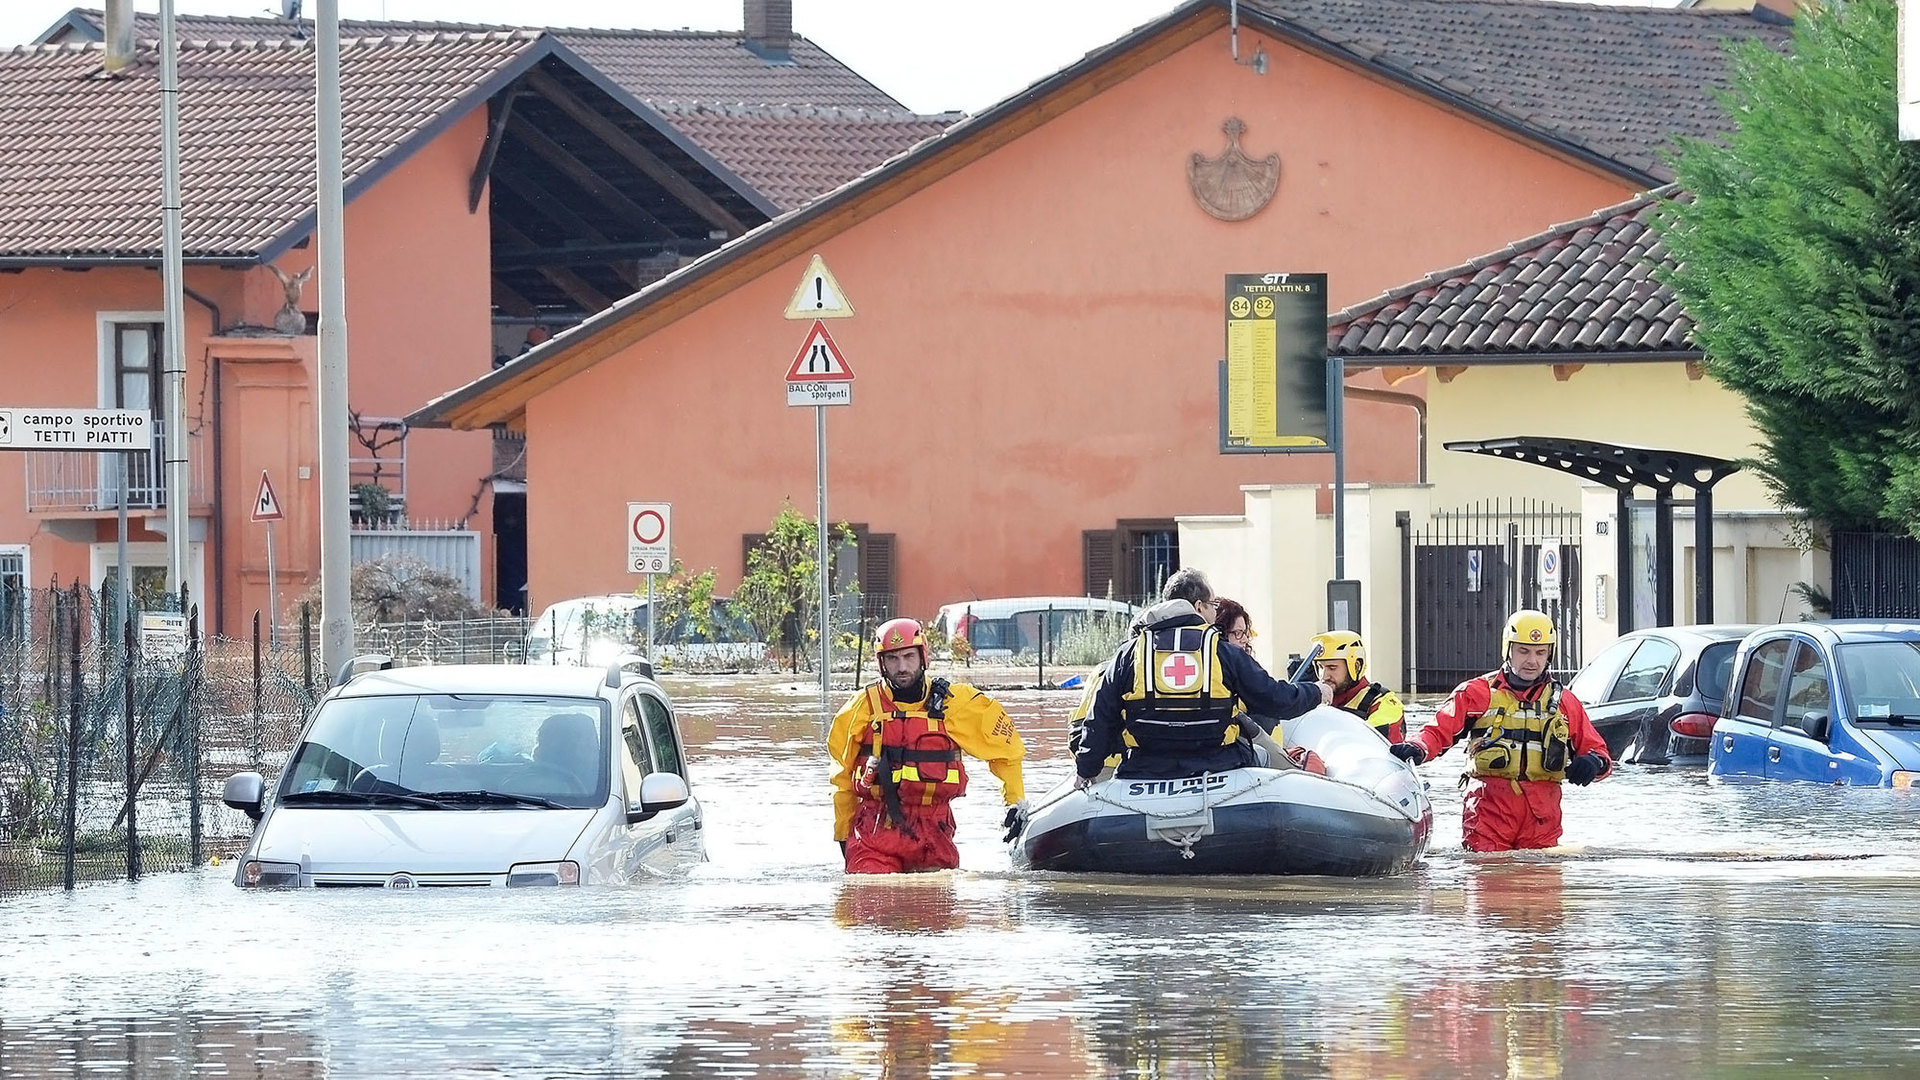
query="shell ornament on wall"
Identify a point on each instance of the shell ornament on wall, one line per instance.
(1233, 186)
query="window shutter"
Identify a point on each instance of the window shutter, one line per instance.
(876, 577)
(747, 544)
(1099, 562)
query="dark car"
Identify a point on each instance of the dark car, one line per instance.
(1830, 703)
(1654, 694)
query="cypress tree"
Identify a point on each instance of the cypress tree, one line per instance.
(1797, 240)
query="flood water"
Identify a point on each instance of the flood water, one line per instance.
(1688, 929)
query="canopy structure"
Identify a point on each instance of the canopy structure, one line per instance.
(1625, 469)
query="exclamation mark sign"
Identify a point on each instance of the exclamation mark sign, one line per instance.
(819, 292)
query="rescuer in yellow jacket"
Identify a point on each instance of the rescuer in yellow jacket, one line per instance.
(897, 747)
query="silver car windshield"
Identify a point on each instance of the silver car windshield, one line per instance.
(461, 751)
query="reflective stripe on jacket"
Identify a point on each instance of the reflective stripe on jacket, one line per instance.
(1178, 698)
(1520, 740)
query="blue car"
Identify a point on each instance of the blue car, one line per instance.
(1831, 703)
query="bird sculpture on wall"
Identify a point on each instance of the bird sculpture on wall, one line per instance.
(1233, 186)
(290, 319)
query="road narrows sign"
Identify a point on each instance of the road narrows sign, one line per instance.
(266, 505)
(819, 374)
(649, 537)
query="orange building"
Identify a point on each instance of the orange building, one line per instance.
(1038, 292)
(500, 183)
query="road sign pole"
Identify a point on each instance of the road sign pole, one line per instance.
(650, 614)
(121, 587)
(273, 594)
(826, 639)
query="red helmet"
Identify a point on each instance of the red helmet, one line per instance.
(900, 634)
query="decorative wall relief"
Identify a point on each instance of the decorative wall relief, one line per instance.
(1233, 186)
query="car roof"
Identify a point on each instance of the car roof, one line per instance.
(536, 679)
(1000, 606)
(1837, 631)
(1706, 631)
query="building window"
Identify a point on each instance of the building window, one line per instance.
(13, 593)
(1130, 561)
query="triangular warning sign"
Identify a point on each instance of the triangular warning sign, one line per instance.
(266, 507)
(819, 359)
(819, 296)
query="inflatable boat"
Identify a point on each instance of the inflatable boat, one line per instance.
(1367, 816)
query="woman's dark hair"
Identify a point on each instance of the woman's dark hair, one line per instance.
(1227, 612)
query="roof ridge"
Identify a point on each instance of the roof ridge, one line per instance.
(794, 110)
(451, 25)
(227, 45)
(1503, 254)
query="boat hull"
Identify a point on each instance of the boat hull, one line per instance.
(1368, 816)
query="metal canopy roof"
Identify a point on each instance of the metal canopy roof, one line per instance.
(1621, 468)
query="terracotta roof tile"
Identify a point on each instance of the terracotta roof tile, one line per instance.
(1615, 81)
(792, 154)
(687, 65)
(1585, 287)
(80, 151)
(792, 130)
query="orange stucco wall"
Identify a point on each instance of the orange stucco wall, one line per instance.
(1037, 335)
(418, 314)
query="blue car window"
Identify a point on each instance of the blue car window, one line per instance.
(1646, 672)
(1807, 690)
(1882, 678)
(1760, 682)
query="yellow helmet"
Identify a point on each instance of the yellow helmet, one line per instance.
(1527, 627)
(1343, 645)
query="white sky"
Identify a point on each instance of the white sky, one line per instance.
(933, 56)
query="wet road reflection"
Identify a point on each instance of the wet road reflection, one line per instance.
(1689, 928)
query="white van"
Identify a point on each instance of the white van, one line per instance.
(594, 631)
(1011, 626)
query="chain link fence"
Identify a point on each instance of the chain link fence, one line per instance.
(115, 738)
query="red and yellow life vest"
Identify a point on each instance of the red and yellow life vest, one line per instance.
(1520, 740)
(908, 758)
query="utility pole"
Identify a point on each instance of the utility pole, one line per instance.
(174, 396)
(336, 614)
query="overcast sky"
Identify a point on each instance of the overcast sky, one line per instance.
(933, 56)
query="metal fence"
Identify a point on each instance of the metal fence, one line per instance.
(1875, 575)
(1472, 566)
(113, 749)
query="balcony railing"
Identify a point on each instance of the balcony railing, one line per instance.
(85, 482)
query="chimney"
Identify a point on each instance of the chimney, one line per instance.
(770, 29)
(118, 33)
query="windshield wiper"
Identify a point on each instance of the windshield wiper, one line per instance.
(362, 798)
(498, 798)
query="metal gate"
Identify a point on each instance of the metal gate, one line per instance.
(1472, 567)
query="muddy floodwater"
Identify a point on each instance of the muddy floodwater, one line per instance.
(1688, 929)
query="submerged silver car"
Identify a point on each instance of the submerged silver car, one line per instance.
(497, 775)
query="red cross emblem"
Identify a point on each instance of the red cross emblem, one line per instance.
(1178, 670)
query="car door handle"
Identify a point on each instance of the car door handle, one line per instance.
(1773, 753)
(1726, 743)
(672, 836)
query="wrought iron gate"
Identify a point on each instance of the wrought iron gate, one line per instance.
(1472, 567)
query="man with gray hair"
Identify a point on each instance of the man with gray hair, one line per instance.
(1169, 703)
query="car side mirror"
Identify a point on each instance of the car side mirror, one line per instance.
(245, 792)
(659, 791)
(1815, 724)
